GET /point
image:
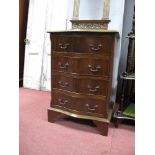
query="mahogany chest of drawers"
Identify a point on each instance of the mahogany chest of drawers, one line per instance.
(81, 75)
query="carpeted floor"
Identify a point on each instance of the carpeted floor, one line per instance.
(66, 137)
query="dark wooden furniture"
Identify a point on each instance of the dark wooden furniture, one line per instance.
(23, 14)
(81, 73)
(125, 109)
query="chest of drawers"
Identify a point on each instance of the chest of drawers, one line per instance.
(81, 75)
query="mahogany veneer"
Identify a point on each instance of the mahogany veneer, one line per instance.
(81, 73)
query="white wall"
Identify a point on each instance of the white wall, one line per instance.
(59, 15)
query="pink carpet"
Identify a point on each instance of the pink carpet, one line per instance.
(66, 137)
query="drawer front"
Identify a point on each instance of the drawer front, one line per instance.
(90, 66)
(83, 44)
(93, 86)
(82, 66)
(98, 45)
(63, 101)
(63, 82)
(62, 64)
(63, 44)
(80, 84)
(80, 105)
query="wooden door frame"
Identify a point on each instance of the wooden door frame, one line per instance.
(23, 15)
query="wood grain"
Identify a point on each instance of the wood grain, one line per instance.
(81, 70)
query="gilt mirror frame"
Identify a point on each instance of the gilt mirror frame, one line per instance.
(91, 24)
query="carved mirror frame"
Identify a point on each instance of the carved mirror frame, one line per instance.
(91, 24)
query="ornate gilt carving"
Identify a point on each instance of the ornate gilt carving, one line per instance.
(90, 24)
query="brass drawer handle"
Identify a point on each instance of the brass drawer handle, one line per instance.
(93, 89)
(62, 85)
(63, 46)
(95, 69)
(61, 66)
(63, 102)
(91, 108)
(95, 47)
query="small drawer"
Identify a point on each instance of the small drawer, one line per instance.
(91, 66)
(62, 64)
(83, 44)
(82, 66)
(63, 44)
(78, 84)
(63, 82)
(94, 106)
(92, 86)
(95, 45)
(63, 101)
(79, 104)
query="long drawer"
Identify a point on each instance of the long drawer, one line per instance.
(82, 66)
(79, 104)
(80, 84)
(88, 44)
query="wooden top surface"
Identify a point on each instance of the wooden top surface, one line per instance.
(93, 31)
